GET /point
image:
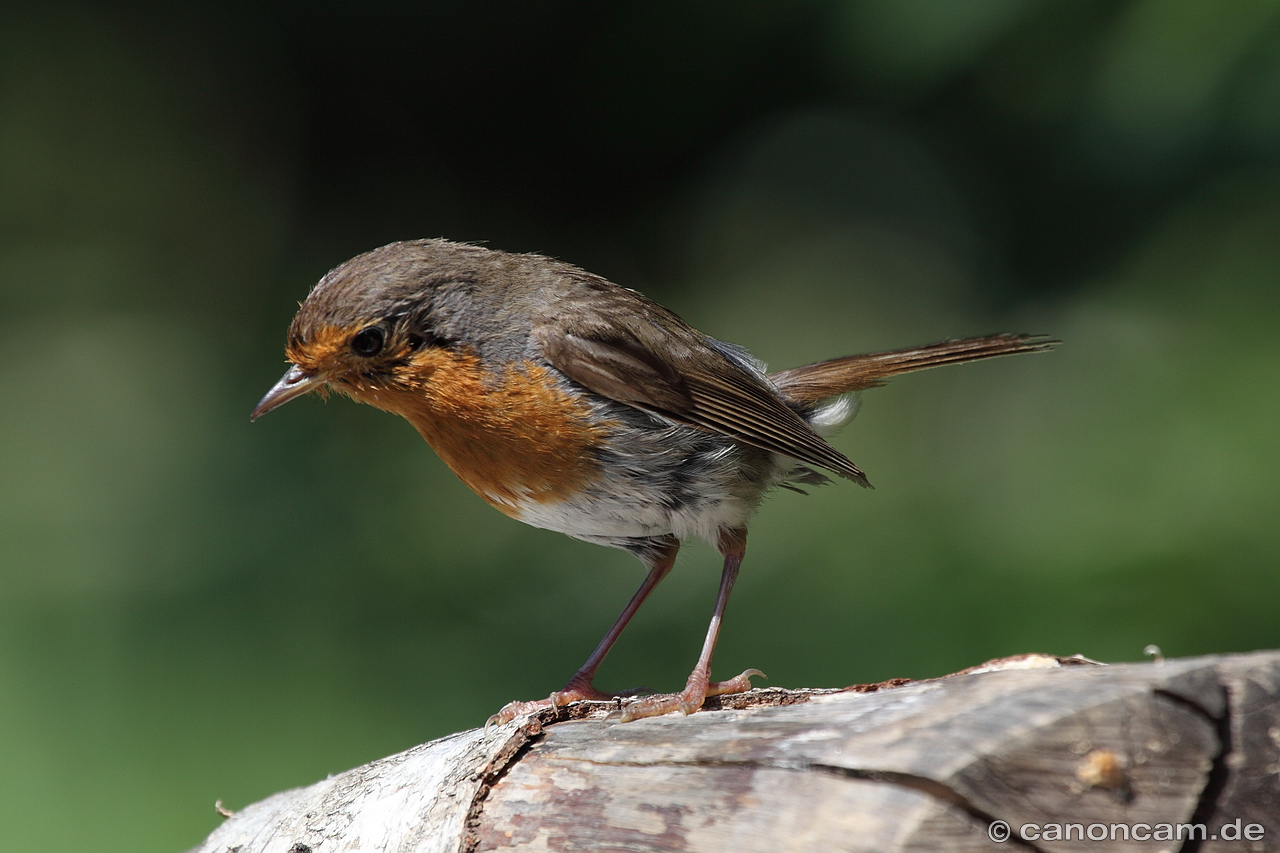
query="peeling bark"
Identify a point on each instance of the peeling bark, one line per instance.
(932, 765)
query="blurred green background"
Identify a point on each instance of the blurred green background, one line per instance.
(194, 608)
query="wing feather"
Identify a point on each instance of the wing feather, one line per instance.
(651, 359)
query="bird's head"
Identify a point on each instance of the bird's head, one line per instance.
(378, 324)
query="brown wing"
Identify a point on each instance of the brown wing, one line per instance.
(815, 382)
(640, 354)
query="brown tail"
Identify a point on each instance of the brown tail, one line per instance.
(814, 382)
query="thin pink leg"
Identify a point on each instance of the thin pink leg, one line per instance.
(580, 685)
(733, 545)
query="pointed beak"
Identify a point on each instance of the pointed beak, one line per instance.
(294, 383)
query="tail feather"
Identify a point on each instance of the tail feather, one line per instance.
(813, 383)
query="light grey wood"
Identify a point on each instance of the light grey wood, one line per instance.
(923, 766)
(417, 800)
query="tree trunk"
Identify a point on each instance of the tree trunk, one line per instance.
(1059, 756)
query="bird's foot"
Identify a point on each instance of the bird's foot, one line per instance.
(572, 692)
(686, 701)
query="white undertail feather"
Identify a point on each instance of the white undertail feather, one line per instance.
(835, 414)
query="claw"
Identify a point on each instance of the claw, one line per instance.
(509, 712)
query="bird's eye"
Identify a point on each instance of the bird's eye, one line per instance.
(368, 342)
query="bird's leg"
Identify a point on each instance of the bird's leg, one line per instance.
(733, 545)
(580, 685)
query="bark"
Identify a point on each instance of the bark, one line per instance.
(1033, 743)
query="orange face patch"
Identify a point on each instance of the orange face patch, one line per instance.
(324, 350)
(514, 437)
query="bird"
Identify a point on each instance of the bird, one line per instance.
(577, 405)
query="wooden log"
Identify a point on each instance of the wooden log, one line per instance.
(1059, 756)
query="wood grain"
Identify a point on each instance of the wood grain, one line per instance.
(921, 766)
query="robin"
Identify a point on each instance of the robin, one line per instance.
(574, 404)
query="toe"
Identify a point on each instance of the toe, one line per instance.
(655, 706)
(738, 684)
(559, 699)
(509, 712)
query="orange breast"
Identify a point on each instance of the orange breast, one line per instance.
(514, 437)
